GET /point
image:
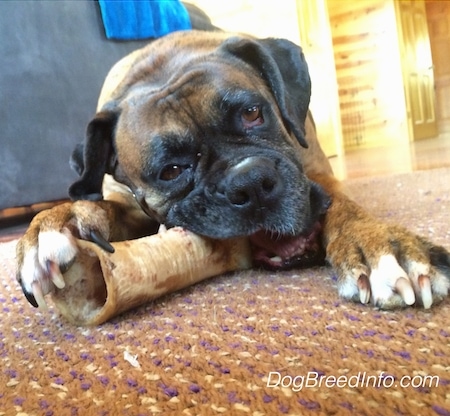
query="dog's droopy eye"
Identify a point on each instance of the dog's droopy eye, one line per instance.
(171, 172)
(252, 116)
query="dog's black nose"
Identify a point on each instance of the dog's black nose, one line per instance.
(253, 183)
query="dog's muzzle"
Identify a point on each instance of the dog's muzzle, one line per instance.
(252, 185)
(265, 199)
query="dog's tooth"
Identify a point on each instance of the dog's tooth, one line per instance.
(37, 293)
(162, 229)
(425, 291)
(276, 259)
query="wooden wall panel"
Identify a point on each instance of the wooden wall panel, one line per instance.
(438, 17)
(316, 40)
(368, 67)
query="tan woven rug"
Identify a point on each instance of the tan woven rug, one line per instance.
(253, 343)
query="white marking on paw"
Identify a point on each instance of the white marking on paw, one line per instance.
(348, 288)
(56, 247)
(384, 277)
(31, 270)
(392, 286)
(440, 284)
(418, 273)
(417, 269)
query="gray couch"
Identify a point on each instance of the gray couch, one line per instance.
(54, 58)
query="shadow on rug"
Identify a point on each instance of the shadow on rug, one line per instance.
(256, 343)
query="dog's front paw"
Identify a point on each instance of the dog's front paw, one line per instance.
(48, 247)
(387, 265)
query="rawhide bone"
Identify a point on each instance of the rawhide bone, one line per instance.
(101, 285)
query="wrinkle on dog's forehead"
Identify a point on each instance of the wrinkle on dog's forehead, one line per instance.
(160, 103)
(151, 112)
(166, 55)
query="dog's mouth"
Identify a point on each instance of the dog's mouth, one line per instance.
(274, 251)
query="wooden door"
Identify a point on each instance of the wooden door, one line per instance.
(417, 68)
(438, 16)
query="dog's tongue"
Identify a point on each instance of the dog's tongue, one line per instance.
(282, 252)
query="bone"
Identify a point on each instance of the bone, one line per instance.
(101, 285)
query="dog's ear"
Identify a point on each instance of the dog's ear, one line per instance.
(95, 158)
(76, 159)
(284, 68)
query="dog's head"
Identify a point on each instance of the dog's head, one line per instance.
(207, 133)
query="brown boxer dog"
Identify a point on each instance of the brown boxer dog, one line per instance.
(211, 132)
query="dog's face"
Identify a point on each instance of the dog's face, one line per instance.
(210, 140)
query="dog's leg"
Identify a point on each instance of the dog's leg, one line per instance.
(48, 247)
(377, 262)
